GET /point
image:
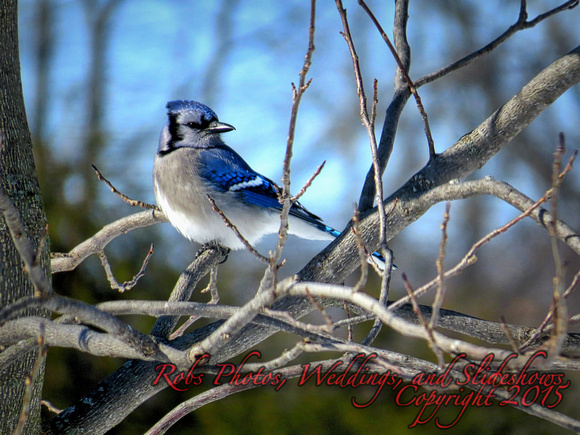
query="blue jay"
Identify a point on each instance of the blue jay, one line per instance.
(193, 162)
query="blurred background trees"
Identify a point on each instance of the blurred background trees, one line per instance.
(97, 75)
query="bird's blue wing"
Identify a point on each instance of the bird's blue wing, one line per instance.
(228, 172)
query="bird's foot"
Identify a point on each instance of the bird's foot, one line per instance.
(214, 246)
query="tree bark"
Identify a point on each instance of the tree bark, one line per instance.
(19, 181)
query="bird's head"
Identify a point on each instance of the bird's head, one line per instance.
(191, 125)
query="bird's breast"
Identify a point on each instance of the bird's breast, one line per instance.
(182, 194)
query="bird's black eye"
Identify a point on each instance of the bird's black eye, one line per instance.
(198, 125)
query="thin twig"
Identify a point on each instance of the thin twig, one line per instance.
(469, 258)
(509, 335)
(285, 357)
(520, 24)
(560, 308)
(544, 325)
(354, 320)
(350, 335)
(185, 286)
(367, 121)
(286, 197)
(50, 406)
(572, 285)
(132, 202)
(440, 294)
(212, 286)
(127, 285)
(327, 320)
(286, 317)
(410, 83)
(386, 275)
(362, 252)
(214, 342)
(270, 278)
(428, 329)
(230, 225)
(215, 297)
(394, 107)
(308, 182)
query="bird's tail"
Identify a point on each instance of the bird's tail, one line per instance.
(374, 258)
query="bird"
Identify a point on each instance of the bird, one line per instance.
(193, 163)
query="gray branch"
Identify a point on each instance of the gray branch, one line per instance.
(131, 385)
(471, 152)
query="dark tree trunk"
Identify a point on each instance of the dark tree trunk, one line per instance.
(19, 181)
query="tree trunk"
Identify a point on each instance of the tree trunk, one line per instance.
(19, 181)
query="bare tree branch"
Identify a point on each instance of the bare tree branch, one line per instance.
(403, 71)
(521, 24)
(128, 285)
(132, 202)
(97, 243)
(395, 107)
(403, 92)
(470, 153)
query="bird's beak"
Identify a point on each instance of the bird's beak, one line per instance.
(220, 127)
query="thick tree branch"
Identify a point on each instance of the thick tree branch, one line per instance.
(395, 107)
(403, 92)
(470, 153)
(94, 245)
